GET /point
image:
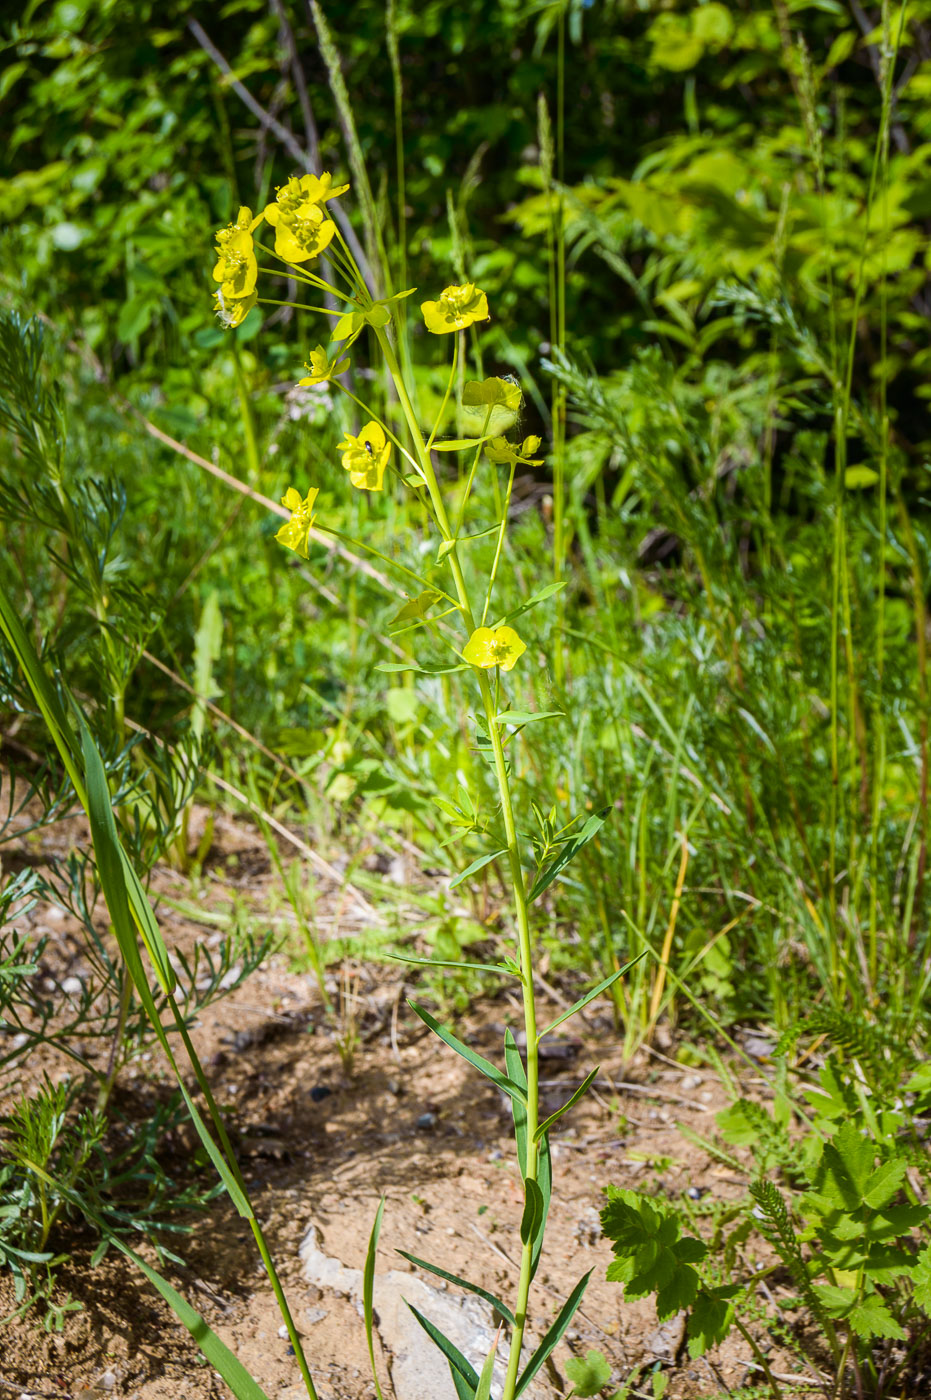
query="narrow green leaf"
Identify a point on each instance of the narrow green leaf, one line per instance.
(452, 1353)
(393, 666)
(573, 1099)
(568, 852)
(464, 966)
(554, 1335)
(496, 1303)
(45, 693)
(241, 1383)
(527, 716)
(532, 1213)
(531, 602)
(460, 444)
(590, 996)
(515, 1068)
(368, 1292)
(478, 864)
(490, 1071)
(484, 1381)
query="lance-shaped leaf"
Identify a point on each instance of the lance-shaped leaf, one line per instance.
(573, 1099)
(490, 1071)
(553, 1336)
(522, 717)
(533, 1213)
(496, 1303)
(459, 444)
(531, 602)
(368, 1292)
(484, 1381)
(460, 966)
(590, 996)
(457, 1362)
(568, 851)
(416, 609)
(515, 1068)
(477, 864)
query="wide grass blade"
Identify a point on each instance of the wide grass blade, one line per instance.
(368, 1291)
(553, 1336)
(496, 1303)
(490, 1071)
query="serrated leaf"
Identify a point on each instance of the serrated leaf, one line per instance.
(836, 1301)
(588, 1374)
(709, 1321)
(871, 1318)
(921, 1279)
(690, 1250)
(678, 1293)
(884, 1183)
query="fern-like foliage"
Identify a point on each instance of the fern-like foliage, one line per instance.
(882, 1056)
(775, 1224)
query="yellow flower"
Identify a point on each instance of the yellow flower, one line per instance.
(298, 216)
(295, 533)
(321, 368)
(236, 269)
(457, 308)
(508, 454)
(232, 311)
(499, 646)
(301, 235)
(365, 457)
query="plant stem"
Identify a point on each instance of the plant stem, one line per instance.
(518, 884)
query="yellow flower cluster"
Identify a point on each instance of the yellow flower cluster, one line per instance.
(493, 646)
(299, 217)
(455, 309)
(365, 457)
(295, 533)
(236, 269)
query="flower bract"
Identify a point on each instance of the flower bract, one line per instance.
(508, 454)
(322, 368)
(365, 457)
(493, 646)
(295, 533)
(456, 308)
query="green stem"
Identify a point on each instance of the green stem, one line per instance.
(518, 885)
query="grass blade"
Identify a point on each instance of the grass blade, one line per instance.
(490, 1071)
(496, 1303)
(484, 1381)
(368, 1291)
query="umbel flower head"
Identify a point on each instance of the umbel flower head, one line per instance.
(365, 457)
(456, 308)
(236, 268)
(493, 646)
(298, 216)
(295, 533)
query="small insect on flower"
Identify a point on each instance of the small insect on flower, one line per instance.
(455, 309)
(493, 646)
(365, 457)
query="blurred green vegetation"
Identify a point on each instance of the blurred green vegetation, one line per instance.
(739, 205)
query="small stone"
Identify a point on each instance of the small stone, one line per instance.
(107, 1381)
(72, 986)
(690, 1081)
(282, 1331)
(394, 1087)
(695, 1193)
(312, 1315)
(320, 1092)
(426, 1121)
